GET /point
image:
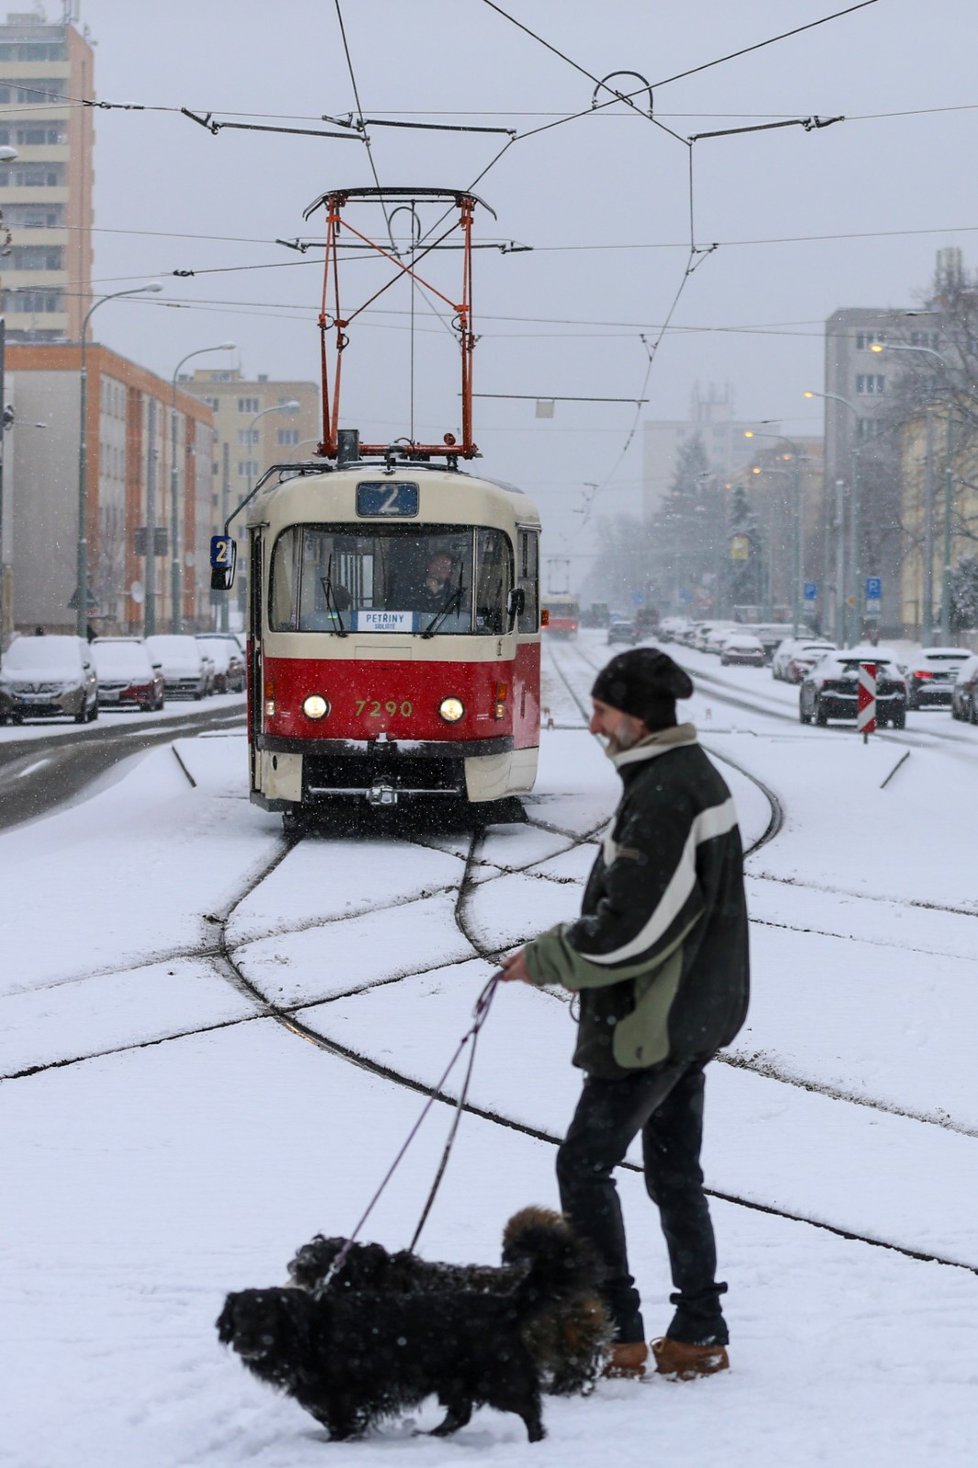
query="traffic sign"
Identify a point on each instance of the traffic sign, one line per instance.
(811, 590)
(874, 588)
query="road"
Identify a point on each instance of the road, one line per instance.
(44, 766)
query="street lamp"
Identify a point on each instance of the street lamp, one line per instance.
(795, 474)
(176, 574)
(948, 490)
(848, 626)
(81, 620)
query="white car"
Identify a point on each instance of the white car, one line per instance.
(743, 648)
(795, 655)
(187, 670)
(48, 676)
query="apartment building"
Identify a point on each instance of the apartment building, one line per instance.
(136, 525)
(711, 415)
(46, 189)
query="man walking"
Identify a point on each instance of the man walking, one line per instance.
(659, 961)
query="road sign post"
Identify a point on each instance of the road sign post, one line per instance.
(874, 595)
(866, 701)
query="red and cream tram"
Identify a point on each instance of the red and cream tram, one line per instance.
(394, 636)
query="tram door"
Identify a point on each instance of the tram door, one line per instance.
(256, 597)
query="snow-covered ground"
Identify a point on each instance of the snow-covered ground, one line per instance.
(166, 1138)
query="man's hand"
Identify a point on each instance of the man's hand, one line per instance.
(514, 968)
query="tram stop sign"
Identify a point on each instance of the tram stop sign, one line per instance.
(223, 556)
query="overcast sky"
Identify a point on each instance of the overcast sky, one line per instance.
(805, 221)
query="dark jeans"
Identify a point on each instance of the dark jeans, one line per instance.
(666, 1105)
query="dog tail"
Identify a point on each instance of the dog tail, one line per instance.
(559, 1264)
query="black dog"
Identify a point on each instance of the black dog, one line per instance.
(568, 1337)
(355, 1353)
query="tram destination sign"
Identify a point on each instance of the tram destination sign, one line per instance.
(383, 498)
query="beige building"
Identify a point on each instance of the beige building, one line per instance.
(940, 500)
(131, 510)
(46, 191)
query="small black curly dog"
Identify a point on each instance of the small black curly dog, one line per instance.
(371, 1343)
(568, 1339)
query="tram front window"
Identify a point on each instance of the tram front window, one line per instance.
(444, 579)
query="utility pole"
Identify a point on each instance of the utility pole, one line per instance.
(150, 605)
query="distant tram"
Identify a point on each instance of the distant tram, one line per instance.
(371, 678)
(563, 616)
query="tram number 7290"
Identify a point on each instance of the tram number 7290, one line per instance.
(372, 707)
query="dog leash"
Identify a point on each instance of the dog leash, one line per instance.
(480, 1014)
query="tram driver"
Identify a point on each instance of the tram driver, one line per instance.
(440, 580)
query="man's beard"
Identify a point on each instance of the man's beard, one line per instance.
(618, 743)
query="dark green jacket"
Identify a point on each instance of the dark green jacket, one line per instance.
(659, 954)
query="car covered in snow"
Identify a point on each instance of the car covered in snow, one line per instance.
(742, 648)
(621, 631)
(223, 650)
(931, 675)
(48, 676)
(127, 674)
(795, 655)
(188, 672)
(829, 690)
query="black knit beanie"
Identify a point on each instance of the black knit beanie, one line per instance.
(645, 683)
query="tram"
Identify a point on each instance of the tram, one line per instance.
(393, 597)
(563, 615)
(394, 637)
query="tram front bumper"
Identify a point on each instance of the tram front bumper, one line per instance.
(381, 772)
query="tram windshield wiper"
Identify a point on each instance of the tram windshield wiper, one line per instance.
(327, 585)
(451, 605)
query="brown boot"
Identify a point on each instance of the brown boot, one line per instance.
(627, 1358)
(684, 1360)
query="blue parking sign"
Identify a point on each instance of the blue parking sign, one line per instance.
(811, 591)
(874, 588)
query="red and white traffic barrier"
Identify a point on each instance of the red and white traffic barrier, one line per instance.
(866, 700)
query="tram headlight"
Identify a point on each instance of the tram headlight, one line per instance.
(451, 710)
(315, 706)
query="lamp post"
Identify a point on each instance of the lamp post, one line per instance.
(81, 619)
(795, 474)
(843, 632)
(176, 570)
(948, 487)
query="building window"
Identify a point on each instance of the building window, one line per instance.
(249, 405)
(287, 436)
(867, 339)
(247, 437)
(870, 383)
(35, 257)
(248, 469)
(925, 339)
(33, 302)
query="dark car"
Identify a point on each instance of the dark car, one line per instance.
(621, 632)
(829, 690)
(931, 676)
(127, 674)
(964, 691)
(48, 677)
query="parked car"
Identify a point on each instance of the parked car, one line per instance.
(773, 633)
(48, 676)
(743, 648)
(795, 655)
(705, 630)
(188, 672)
(127, 674)
(931, 675)
(829, 689)
(621, 631)
(223, 650)
(964, 691)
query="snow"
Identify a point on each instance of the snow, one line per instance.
(185, 1141)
